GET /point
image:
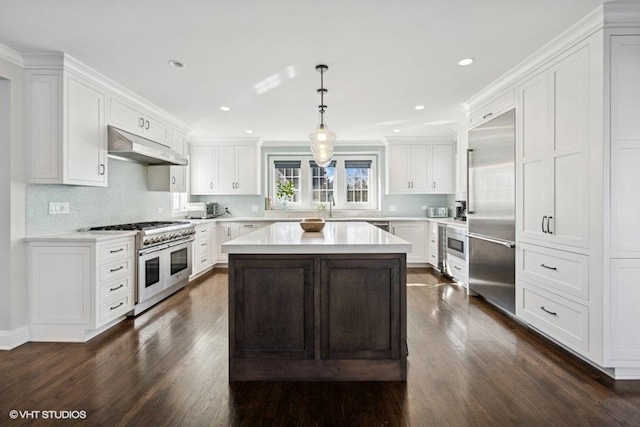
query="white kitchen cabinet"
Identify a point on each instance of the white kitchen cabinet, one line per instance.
(493, 107)
(204, 248)
(130, 117)
(433, 244)
(202, 172)
(169, 178)
(236, 169)
(416, 233)
(79, 287)
(419, 167)
(553, 128)
(66, 128)
(225, 168)
(231, 230)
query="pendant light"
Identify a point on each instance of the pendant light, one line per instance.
(322, 138)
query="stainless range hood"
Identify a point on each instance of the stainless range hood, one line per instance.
(128, 146)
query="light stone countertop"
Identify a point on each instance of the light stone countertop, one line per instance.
(340, 237)
(227, 218)
(81, 236)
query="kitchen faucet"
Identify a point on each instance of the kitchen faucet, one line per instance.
(332, 202)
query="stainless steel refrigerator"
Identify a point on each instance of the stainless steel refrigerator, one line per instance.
(491, 211)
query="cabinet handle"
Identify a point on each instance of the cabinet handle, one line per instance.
(434, 184)
(549, 229)
(456, 267)
(433, 241)
(102, 169)
(393, 231)
(203, 244)
(147, 127)
(116, 269)
(248, 225)
(116, 288)
(543, 219)
(229, 231)
(116, 251)
(113, 308)
(549, 268)
(411, 184)
(408, 184)
(487, 115)
(547, 311)
(203, 260)
(141, 122)
(211, 185)
(173, 179)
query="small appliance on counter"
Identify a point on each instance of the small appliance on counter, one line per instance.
(202, 210)
(461, 210)
(437, 212)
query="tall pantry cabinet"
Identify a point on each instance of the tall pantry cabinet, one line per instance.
(578, 190)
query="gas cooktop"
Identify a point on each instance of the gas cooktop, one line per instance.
(139, 226)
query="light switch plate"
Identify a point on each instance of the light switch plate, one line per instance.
(254, 208)
(392, 208)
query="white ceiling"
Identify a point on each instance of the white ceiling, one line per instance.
(384, 57)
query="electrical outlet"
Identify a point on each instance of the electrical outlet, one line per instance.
(56, 208)
(392, 208)
(424, 208)
(159, 210)
(254, 208)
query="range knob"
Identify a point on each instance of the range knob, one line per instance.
(146, 242)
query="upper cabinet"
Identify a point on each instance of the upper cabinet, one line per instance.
(66, 129)
(170, 178)
(420, 166)
(493, 107)
(229, 168)
(69, 106)
(553, 147)
(132, 118)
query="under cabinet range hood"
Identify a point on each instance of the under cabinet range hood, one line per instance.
(128, 146)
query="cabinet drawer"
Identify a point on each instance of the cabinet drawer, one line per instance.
(458, 268)
(558, 317)
(118, 288)
(559, 270)
(110, 310)
(113, 270)
(203, 232)
(492, 109)
(203, 246)
(116, 250)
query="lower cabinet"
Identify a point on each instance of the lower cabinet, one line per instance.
(78, 287)
(204, 248)
(433, 244)
(317, 317)
(416, 233)
(231, 230)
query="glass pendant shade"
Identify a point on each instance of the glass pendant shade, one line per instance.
(322, 140)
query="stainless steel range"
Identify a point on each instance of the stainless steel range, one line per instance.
(164, 258)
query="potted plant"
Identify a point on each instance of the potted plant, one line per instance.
(284, 192)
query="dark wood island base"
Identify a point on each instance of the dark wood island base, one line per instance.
(329, 317)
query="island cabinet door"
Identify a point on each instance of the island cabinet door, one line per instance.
(271, 309)
(362, 304)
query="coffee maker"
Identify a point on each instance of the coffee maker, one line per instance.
(461, 210)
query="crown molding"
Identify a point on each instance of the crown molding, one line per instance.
(582, 29)
(63, 61)
(622, 15)
(10, 55)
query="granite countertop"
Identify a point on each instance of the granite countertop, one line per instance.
(336, 238)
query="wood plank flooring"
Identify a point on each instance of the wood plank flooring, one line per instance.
(468, 366)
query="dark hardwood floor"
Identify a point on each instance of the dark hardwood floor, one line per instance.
(468, 366)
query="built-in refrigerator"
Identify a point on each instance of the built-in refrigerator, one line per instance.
(491, 211)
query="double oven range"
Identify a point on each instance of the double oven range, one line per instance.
(164, 250)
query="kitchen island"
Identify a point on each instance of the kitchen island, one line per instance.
(317, 306)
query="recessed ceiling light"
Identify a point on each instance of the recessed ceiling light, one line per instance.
(248, 131)
(465, 62)
(175, 63)
(224, 108)
(419, 107)
(396, 130)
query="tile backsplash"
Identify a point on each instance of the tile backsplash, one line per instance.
(126, 199)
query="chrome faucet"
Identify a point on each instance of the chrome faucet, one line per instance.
(332, 202)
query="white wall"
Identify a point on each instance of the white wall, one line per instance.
(13, 289)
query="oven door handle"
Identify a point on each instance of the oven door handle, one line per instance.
(152, 250)
(507, 243)
(181, 242)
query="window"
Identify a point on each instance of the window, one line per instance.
(348, 182)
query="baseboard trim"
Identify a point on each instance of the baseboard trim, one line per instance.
(12, 339)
